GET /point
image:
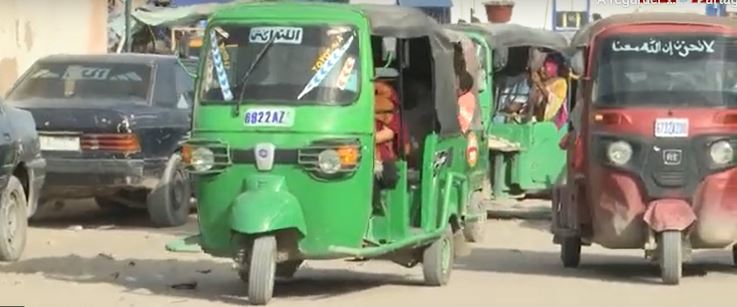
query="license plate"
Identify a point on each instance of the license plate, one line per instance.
(671, 127)
(59, 143)
(269, 117)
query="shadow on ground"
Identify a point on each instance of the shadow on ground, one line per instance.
(209, 280)
(85, 213)
(609, 268)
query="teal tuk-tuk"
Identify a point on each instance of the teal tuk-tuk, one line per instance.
(525, 152)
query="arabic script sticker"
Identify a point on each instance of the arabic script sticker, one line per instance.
(472, 150)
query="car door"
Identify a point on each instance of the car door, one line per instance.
(7, 146)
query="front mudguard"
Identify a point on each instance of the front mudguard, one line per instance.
(266, 206)
(669, 214)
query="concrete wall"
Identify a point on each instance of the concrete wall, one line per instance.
(31, 29)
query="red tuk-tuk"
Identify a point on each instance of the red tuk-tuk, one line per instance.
(652, 140)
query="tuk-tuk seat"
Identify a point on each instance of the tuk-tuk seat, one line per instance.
(500, 144)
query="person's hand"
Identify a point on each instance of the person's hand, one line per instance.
(535, 77)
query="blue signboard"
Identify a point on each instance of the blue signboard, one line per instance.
(716, 10)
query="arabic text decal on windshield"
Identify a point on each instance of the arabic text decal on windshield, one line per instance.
(283, 35)
(666, 47)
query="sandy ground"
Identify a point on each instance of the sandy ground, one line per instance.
(120, 261)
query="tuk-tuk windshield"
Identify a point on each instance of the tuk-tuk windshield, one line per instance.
(314, 64)
(666, 70)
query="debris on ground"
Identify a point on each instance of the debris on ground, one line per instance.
(106, 256)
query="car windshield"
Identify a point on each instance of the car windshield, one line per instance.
(666, 70)
(86, 82)
(316, 64)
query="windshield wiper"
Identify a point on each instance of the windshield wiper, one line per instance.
(248, 72)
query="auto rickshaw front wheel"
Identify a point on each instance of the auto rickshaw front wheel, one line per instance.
(437, 260)
(13, 221)
(262, 270)
(670, 257)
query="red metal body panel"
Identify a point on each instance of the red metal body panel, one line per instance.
(616, 200)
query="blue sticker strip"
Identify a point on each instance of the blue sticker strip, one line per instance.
(220, 68)
(326, 68)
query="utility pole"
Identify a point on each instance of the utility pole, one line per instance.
(128, 36)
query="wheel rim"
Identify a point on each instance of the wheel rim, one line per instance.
(445, 252)
(12, 214)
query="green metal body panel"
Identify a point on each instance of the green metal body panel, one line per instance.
(266, 205)
(538, 163)
(335, 217)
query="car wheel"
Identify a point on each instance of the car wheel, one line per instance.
(13, 221)
(169, 203)
(437, 260)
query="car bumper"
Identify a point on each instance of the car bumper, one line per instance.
(89, 176)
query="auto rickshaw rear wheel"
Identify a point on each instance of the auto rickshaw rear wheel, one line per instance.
(670, 257)
(570, 251)
(437, 260)
(13, 221)
(474, 230)
(262, 270)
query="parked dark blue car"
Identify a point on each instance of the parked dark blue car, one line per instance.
(110, 127)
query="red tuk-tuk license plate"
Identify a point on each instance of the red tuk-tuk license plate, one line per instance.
(671, 127)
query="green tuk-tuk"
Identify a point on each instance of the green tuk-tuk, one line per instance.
(283, 142)
(525, 153)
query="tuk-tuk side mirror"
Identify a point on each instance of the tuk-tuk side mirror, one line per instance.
(578, 64)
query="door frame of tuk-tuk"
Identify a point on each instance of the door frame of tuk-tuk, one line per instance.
(573, 218)
(443, 184)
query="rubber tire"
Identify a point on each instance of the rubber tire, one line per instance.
(570, 251)
(288, 269)
(670, 257)
(734, 255)
(12, 251)
(262, 270)
(433, 257)
(161, 203)
(475, 231)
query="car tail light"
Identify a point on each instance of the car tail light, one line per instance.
(118, 142)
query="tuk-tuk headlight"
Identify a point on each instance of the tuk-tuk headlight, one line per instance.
(721, 152)
(202, 159)
(329, 161)
(619, 152)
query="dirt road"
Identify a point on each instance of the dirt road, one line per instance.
(122, 262)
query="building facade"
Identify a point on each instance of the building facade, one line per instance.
(30, 30)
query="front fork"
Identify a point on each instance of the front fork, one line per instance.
(652, 244)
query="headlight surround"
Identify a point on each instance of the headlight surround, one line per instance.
(329, 161)
(721, 152)
(202, 159)
(619, 152)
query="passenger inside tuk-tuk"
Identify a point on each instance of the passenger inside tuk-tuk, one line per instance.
(538, 94)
